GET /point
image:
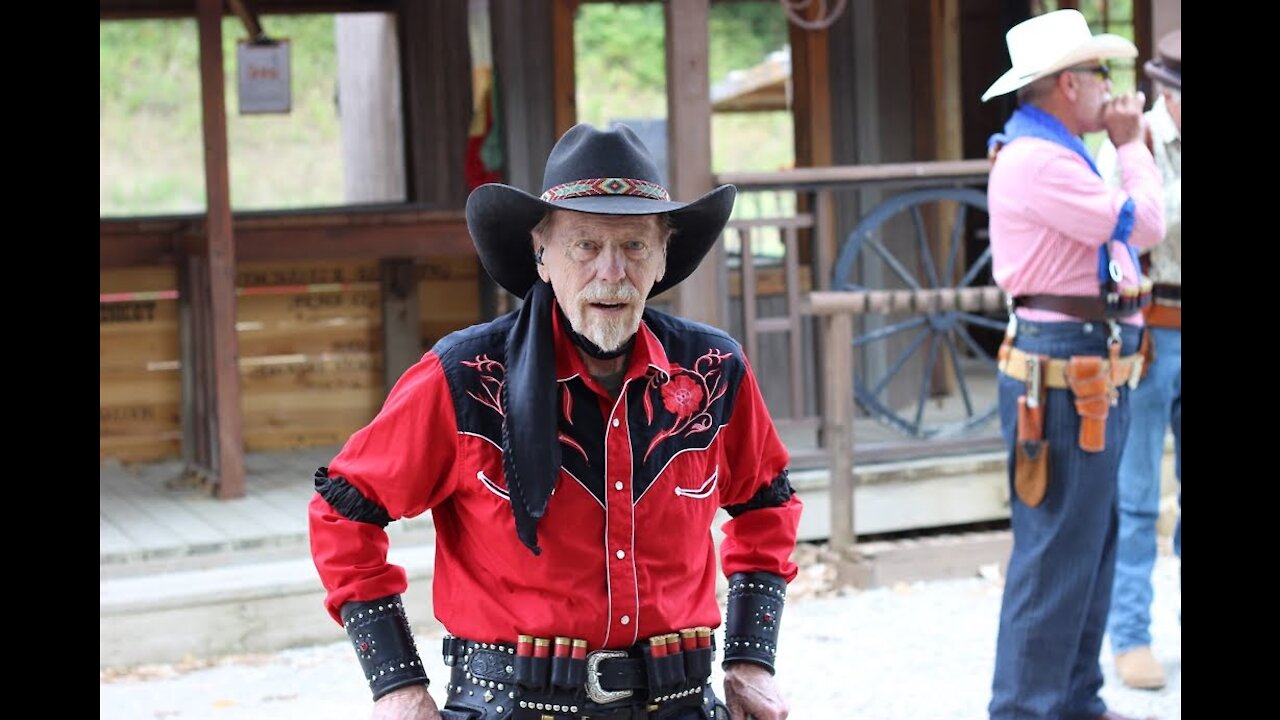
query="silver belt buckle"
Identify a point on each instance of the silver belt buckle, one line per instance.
(596, 693)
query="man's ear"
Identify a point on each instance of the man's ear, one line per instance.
(542, 266)
(1069, 84)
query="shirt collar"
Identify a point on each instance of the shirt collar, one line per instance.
(647, 352)
(1163, 129)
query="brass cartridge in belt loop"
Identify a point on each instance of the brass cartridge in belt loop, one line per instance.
(523, 663)
(689, 639)
(658, 646)
(676, 671)
(561, 655)
(704, 637)
(541, 661)
(673, 643)
(698, 659)
(577, 663)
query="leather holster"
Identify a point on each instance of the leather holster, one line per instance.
(1147, 349)
(1092, 389)
(1031, 451)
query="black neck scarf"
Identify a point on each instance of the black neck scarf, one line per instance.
(531, 424)
(530, 444)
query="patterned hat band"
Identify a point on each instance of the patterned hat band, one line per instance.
(606, 186)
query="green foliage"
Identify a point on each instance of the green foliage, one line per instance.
(743, 34)
(621, 73)
(150, 119)
(621, 64)
(150, 125)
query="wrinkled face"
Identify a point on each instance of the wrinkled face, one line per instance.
(602, 268)
(1089, 87)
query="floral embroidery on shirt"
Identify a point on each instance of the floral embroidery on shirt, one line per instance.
(687, 393)
(492, 378)
(681, 396)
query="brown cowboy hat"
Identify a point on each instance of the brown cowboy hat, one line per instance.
(1166, 67)
(607, 172)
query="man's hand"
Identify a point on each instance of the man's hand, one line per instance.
(1123, 118)
(412, 702)
(751, 693)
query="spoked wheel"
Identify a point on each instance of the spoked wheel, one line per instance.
(925, 375)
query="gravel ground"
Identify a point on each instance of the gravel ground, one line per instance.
(919, 651)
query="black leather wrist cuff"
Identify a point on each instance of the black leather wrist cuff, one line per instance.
(380, 633)
(752, 617)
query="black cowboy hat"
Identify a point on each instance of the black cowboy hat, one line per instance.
(1166, 68)
(608, 172)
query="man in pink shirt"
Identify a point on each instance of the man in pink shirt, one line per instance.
(1064, 249)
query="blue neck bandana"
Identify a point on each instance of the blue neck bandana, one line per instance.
(1031, 121)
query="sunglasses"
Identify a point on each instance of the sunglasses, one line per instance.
(1102, 71)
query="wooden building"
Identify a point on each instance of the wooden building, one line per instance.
(351, 296)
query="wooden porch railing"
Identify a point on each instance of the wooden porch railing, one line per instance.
(836, 311)
(819, 392)
(815, 226)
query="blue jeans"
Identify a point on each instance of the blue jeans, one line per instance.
(1155, 405)
(1058, 587)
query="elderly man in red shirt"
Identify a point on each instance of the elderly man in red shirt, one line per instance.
(573, 454)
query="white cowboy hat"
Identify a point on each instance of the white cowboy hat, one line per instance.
(1051, 42)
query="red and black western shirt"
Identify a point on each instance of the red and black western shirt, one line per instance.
(627, 551)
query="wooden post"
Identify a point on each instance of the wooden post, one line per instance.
(837, 423)
(935, 38)
(704, 295)
(563, 68)
(435, 64)
(373, 166)
(221, 257)
(401, 319)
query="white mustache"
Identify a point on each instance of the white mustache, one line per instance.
(607, 295)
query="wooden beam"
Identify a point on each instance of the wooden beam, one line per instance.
(436, 61)
(144, 9)
(401, 321)
(921, 173)
(837, 424)
(249, 17)
(221, 257)
(1145, 40)
(944, 30)
(330, 236)
(524, 58)
(564, 77)
(811, 93)
(701, 297)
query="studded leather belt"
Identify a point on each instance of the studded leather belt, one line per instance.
(606, 680)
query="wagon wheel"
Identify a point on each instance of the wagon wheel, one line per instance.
(969, 368)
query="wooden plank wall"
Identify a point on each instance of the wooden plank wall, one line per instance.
(310, 361)
(139, 384)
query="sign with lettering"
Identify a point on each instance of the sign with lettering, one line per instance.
(263, 70)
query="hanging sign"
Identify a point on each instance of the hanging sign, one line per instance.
(263, 70)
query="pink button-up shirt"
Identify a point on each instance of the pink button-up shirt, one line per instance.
(1049, 214)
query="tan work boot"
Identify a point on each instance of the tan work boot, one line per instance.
(1139, 669)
